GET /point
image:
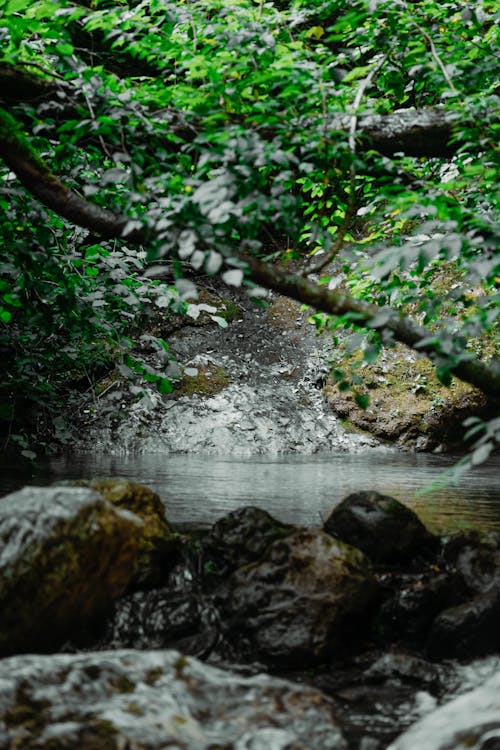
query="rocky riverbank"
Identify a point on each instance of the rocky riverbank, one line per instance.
(261, 385)
(254, 387)
(155, 637)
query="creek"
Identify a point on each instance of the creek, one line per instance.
(378, 693)
(299, 489)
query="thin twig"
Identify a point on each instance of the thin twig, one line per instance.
(437, 59)
(94, 119)
(349, 212)
(51, 73)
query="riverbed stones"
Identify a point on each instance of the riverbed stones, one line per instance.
(472, 626)
(65, 555)
(289, 608)
(383, 528)
(157, 541)
(154, 700)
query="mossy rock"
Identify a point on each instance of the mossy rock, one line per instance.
(158, 542)
(73, 702)
(407, 403)
(66, 554)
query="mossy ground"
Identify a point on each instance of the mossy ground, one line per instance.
(407, 403)
(209, 380)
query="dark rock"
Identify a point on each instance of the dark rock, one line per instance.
(412, 605)
(472, 627)
(154, 700)
(380, 526)
(405, 668)
(65, 555)
(153, 619)
(475, 558)
(242, 537)
(288, 609)
(468, 630)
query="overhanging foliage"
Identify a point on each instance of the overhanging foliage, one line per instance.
(358, 138)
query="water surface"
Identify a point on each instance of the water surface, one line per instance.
(297, 489)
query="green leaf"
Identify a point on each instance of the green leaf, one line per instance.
(362, 400)
(65, 49)
(444, 375)
(165, 386)
(222, 322)
(480, 454)
(17, 6)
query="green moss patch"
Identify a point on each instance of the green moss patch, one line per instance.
(209, 380)
(407, 403)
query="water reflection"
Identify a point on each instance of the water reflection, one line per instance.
(296, 489)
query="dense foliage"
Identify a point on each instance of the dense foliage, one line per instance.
(355, 140)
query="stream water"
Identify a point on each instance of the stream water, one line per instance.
(297, 489)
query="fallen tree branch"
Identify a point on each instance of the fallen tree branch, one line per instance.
(35, 176)
(485, 376)
(423, 132)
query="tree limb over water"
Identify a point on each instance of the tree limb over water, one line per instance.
(35, 176)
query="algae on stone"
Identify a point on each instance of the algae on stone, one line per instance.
(157, 541)
(65, 555)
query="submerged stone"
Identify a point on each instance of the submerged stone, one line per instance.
(65, 555)
(382, 527)
(154, 700)
(288, 609)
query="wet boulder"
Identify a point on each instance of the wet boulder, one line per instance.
(153, 700)
(474, 557)
(242, 537)
(158, 542)
(162, 618)
(472, 626)
(468, 630)
(289, 608)
(383, 528)
(469, 722)
(411, 603)
(65, 555)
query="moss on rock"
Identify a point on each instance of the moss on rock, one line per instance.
(65, 555)
(209, 380)
(157, 540)
(407, 403)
